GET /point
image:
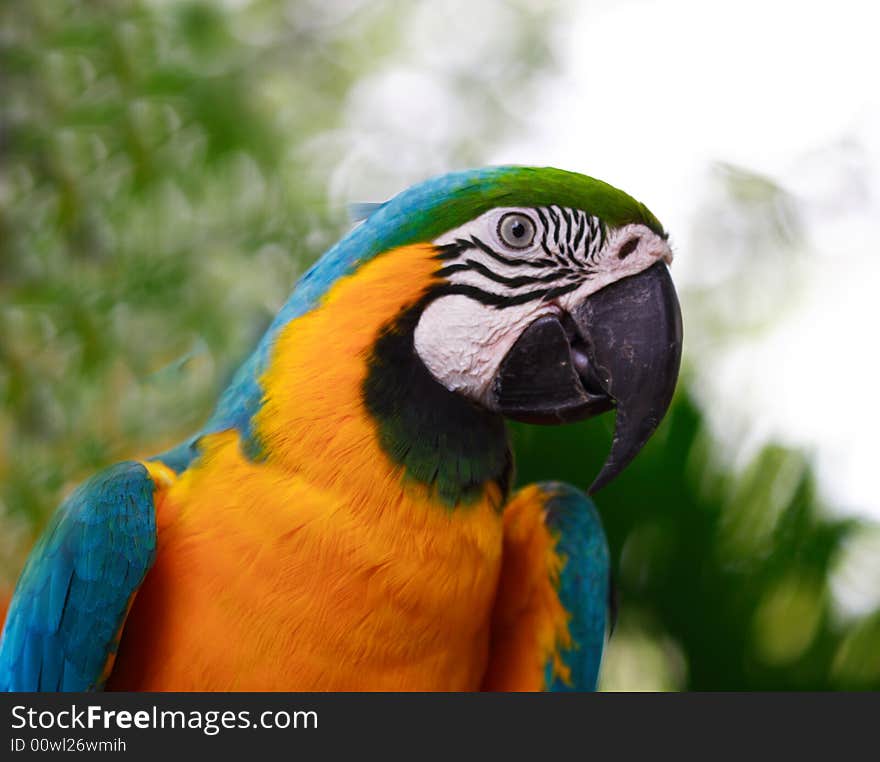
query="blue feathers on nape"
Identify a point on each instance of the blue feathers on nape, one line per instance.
(360, 211)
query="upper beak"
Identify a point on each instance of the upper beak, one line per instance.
(621, 347)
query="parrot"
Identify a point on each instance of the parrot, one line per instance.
(346, 519)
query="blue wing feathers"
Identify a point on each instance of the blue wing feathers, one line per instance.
(583, 585)
(74, 592)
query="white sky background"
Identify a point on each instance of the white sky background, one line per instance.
(650, 95)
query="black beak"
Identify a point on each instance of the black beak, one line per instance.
(620, 348)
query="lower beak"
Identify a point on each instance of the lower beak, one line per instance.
(620, 348)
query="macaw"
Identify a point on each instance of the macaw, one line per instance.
(344, 520)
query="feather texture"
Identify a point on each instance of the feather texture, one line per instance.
(63, 623)
(549, 622)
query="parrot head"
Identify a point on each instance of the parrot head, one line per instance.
(542, 296)
(552, 301)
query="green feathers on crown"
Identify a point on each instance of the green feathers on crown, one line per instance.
(426, 211)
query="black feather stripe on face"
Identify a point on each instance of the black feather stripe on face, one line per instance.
(500, 301)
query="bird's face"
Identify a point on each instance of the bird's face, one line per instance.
(548, 314)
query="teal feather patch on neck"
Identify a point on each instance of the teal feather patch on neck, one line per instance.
(442, 439)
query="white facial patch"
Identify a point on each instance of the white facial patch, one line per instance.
(462, 342)
(507, 268)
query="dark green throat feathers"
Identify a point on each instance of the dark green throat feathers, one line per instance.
(442, 439)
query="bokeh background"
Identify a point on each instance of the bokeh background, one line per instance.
(168, 169)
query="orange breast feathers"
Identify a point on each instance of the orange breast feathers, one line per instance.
(529, 623)
(320, 567)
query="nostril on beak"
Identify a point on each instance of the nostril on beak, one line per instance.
(628, 248)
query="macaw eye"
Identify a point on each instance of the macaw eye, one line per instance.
(516, 230)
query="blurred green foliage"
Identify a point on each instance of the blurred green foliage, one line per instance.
(165, 174)
(151, 220)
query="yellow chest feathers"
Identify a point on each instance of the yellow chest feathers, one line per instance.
(263, 581)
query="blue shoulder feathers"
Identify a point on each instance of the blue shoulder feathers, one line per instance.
(584, 583)
(65, 619)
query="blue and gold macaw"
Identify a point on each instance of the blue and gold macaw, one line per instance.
(343, 521)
